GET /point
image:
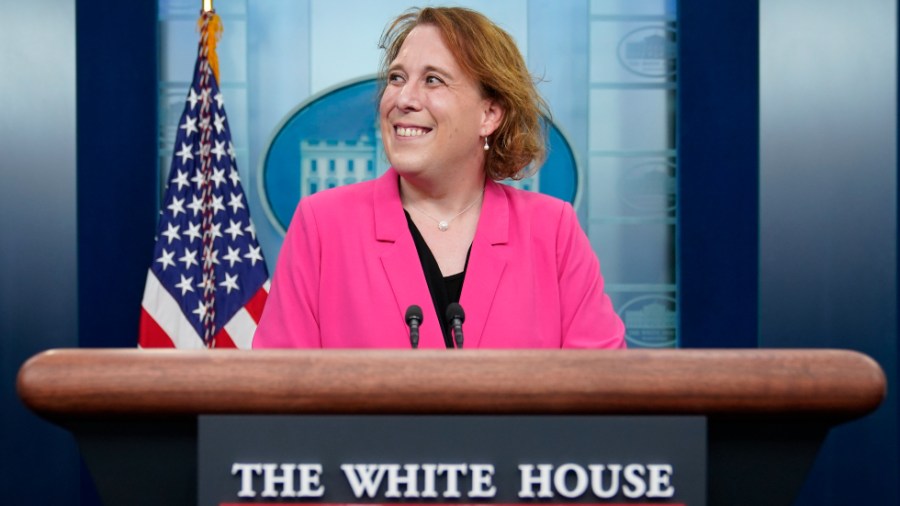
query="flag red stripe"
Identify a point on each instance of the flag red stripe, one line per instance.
(151, 334)
(223, 340)
(255, 305)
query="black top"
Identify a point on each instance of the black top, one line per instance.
(444, 290)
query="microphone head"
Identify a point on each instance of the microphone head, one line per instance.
(413, 314)
(455, 311)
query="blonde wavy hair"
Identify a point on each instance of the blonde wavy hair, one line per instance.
(489, 55)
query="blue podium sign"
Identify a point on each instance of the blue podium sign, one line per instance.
(313, 459)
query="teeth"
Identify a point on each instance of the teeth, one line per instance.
(410, 132)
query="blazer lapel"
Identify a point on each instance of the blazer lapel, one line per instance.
(486, 263)
(400, 259)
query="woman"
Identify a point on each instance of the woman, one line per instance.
(458, 112)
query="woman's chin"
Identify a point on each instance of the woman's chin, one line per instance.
(408, 168)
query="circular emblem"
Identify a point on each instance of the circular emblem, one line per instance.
(649, 187)
(649, 51)
(333, 139)
(649, 321)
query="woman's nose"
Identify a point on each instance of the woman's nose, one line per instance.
(409, 97)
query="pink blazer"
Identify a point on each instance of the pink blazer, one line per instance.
(348, 270)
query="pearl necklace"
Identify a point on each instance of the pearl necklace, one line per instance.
(444, 225)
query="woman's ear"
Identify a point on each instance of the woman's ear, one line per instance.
(491, 117)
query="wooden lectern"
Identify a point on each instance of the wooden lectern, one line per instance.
(134, 412)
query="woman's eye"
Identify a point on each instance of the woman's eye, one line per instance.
(433, 80)
(393, 78)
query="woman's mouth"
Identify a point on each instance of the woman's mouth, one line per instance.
(411, 131)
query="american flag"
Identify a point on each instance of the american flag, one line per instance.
(208, 282)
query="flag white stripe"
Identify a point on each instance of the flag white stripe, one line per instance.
(241, 328)
(163, 308)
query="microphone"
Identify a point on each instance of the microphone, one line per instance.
(456, 316)
(414, 319)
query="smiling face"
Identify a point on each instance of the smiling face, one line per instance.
(433, 116)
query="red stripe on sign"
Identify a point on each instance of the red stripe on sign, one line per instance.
(151, 335)
(255, 305)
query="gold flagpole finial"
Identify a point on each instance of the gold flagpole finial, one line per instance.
(207, 5)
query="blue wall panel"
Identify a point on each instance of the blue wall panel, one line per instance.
(117, 166)
(37, 237)
(717, 174)
(828, 213)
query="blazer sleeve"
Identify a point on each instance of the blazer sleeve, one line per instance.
(588, 319)
(290, 317)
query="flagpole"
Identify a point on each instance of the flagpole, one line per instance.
(207, 5)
